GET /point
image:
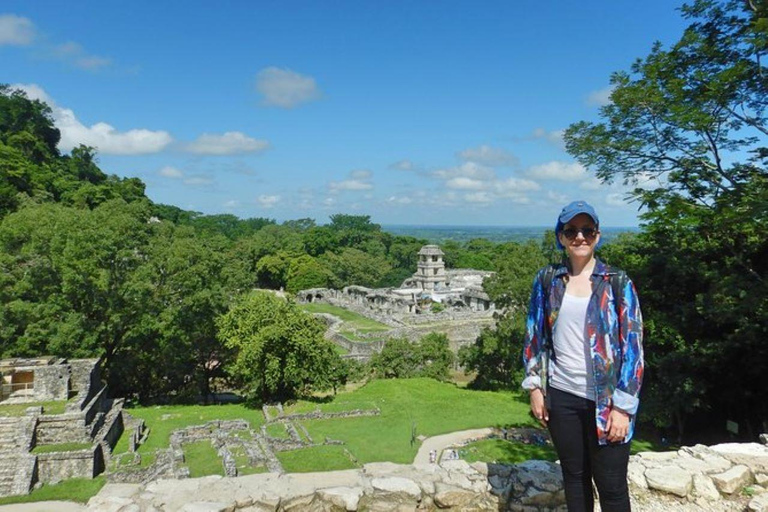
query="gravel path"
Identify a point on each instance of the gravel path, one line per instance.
(439, 443)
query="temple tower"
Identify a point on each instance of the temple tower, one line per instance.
(430, 273)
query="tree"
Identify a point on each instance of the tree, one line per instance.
(280, 351)
(355, 267)
(687, 125)
(496, 355)
(306, 272)
(436, 356)
(400, 358)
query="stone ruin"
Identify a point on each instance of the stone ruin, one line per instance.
(230, 439)
(89, 419)
(459, 290)
(409, 309)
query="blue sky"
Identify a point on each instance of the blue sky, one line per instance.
(413, 112)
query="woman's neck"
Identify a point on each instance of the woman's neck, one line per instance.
(579, 266)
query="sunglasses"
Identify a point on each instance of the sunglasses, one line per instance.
(588, 232)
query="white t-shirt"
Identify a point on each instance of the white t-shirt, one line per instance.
(572, 365)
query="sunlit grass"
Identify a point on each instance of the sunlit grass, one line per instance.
(52, 407)
(316, 458)
(202, 460)
(507, 452)
(74, 489)
(351, 319)
(61, 447)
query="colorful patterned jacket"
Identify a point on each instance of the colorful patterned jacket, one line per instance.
(615, 340)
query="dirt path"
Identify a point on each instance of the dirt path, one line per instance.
(439, 443)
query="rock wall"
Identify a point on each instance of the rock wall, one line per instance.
(729, 477)
(57, 466)
(61, 428)
(51, 382)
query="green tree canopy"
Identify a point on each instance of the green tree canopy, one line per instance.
(280, 351)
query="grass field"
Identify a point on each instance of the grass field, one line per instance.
(202, 459)
(74, 489)
(501, 451)
(421, 406)
(162, 420)
(53, 407)
(429, 406)
(316, 458)
(63, 447)
(354, 323)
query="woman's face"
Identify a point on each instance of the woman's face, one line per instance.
(580, 236)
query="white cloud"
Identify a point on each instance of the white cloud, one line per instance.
(285, 88)
(487, 155)
(462, 183)
(267, 201)
(104, 137)
(229, 143)
(198, 181)
(16, 30)
(555, 137)
(600, 98)
(558, 171)
(171, 172)
(350, 185)
(403, 165)
(557, 197)
(511, 187)
(231, 204)
(400, 200)
(591, 183)
(361, 174)
(479, 197)
(466, 170)
(92, 62)
(358, 180)
(329, 201)
(75, 54)
(615, 199)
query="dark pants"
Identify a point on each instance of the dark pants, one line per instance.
(574, 433)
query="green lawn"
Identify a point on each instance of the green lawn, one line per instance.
(430, 406)
(351, 319)
(316, 458)
(162, 420)
(74, 489)
(62, 447)
(53, 407)
(277, 430)
(509, 452)
(202, 460)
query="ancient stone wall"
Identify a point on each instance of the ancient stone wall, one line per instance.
(727, 477)
(51, 382)
(85, 377)
(57, 466)
(61, 428)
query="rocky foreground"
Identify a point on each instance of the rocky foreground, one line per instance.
(727, 477)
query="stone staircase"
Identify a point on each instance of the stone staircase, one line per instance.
(17, 466)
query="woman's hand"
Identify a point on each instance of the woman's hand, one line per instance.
(617, 426)
(538, 409)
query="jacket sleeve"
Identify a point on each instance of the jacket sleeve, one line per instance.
(627, 392)
(533, 345)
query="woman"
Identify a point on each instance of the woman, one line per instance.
(584, 363)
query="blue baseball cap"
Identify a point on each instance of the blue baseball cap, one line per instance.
(568, 212)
